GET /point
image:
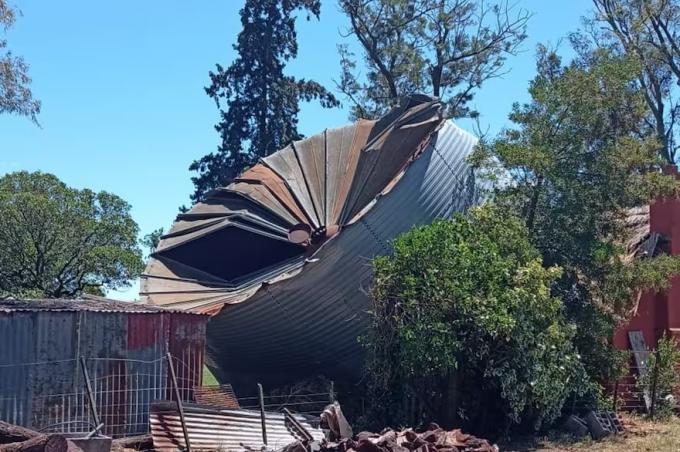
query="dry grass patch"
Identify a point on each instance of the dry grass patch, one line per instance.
(641, 435)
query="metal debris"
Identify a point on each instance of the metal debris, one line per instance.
(211, 428)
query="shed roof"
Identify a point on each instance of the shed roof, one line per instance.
(84, 303)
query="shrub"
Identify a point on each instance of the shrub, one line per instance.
(464, 328)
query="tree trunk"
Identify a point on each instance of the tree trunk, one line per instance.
(452, 399)
(10, 433)
(41, 443)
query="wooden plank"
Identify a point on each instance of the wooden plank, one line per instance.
(641, 354)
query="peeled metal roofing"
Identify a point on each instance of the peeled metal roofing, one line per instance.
(90, 303)
(311, 322)
(312, 188)
(303, 309)
(220, 429)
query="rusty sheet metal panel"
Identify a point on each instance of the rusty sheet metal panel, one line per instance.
(311, 322)
(105, 336)
(345, 144)
(36, 360)
(221, 396)
(311, 155)
(285, 163)
(381, 160)
(264, 176)
(41, 382)
(224, 429)
(17, 339)
(187, 345)
(146, 372)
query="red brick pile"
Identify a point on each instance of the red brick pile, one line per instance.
(434, 439)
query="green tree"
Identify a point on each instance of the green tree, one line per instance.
(446, 48)
(647, 31)
(578, 158)
(150, 241)
(258, 103)
(463, 321)
(57, 241)
(15, 95)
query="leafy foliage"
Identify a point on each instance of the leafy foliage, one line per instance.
(447, 48)
(647, 31)
(578, 159)
(57, 241)
(463, 318)
(662, 378)
(150, 241)
(258, 103)
(15, 95)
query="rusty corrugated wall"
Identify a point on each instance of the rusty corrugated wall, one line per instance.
(41, 343)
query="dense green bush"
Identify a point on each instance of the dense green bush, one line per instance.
(464, 328)
(662, 377)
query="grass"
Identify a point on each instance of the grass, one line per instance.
(208, 378)
(641, 435)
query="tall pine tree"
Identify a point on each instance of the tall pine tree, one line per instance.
(258, 103)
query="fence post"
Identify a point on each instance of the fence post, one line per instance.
(616, 396)
(655, 377)
(331, 392)
(262, 418)
(90, 395)
(180, 408)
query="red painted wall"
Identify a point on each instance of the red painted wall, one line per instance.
(658, 312)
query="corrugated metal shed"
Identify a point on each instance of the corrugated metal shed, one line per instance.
(220, 429)
(124, 345)
(292, 310)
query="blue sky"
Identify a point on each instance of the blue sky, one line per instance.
(122, 90)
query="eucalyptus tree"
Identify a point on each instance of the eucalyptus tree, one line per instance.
(15, 93)
(446, 48)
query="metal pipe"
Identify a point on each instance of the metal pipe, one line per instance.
(90, 395)
(262, 418)
(180, 408)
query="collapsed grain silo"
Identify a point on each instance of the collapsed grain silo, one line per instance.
(282, 256)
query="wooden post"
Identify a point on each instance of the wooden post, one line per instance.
(616, 396)
(90, 395)
(180, 408)
(331, 393)
(655, 377)
(262, 418)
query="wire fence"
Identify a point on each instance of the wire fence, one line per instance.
(72, 396)
(77, 396)
(638, 391)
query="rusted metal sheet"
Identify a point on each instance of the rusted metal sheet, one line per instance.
(346, 144)
(124, 344)
(311, 156)
(276, 186)
(221, 396)
(285, 163)
(219, 429)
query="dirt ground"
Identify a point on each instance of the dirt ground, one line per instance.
(641, 435)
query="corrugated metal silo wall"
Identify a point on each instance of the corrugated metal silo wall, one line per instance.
(309, 324)
(125, 354)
